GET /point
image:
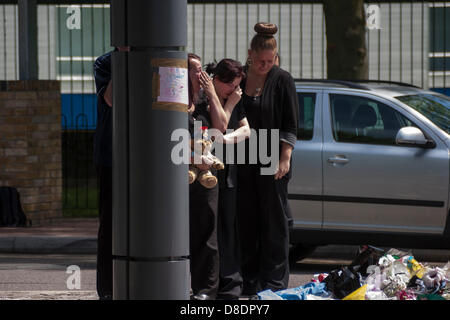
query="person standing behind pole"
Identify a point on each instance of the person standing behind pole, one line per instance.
(227, 76)
(270, 102)
(204, 106)
(103, 163)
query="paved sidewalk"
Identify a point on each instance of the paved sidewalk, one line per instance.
(65, 235)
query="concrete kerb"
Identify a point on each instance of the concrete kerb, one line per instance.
(48, 244)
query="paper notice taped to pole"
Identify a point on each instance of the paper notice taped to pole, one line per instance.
(170, 85)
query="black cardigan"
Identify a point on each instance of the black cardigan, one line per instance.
(279, 105)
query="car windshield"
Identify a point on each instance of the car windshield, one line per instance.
(434, 107)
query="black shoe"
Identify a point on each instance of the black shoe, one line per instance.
(106, 297)
(249, 290)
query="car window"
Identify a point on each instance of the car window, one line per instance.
(435, 107)
(307, 103)
(361, 120)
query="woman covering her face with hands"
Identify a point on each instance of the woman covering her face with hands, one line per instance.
(213, 105)
(227, 76)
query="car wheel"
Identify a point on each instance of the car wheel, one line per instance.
(299, 252)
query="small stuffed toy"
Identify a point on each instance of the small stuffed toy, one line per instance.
(203, 149)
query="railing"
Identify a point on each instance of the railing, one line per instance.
(406, 41)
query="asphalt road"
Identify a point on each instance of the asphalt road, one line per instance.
(44, 277)
(36, 277)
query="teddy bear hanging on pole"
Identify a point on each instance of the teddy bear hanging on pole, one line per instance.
(202, 150)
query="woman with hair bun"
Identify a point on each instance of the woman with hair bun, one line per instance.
(270, 102)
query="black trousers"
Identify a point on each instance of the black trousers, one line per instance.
(263, 230)
(104, 242)
(230, 279)
(204, 251)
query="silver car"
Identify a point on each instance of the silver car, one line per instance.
(370, 166)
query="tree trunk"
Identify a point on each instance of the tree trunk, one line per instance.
(345, 22)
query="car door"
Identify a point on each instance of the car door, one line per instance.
(305, 187)
(369, 182)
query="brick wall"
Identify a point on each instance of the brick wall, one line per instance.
(30, 145)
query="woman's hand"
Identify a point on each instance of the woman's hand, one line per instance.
(219, 118)
(207, 84)
(285, 161)
(283, 168)
(234, 97)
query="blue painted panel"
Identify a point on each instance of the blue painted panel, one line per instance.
(445, 91)
(79, 111)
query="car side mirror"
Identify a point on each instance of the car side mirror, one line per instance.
(412, 136)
